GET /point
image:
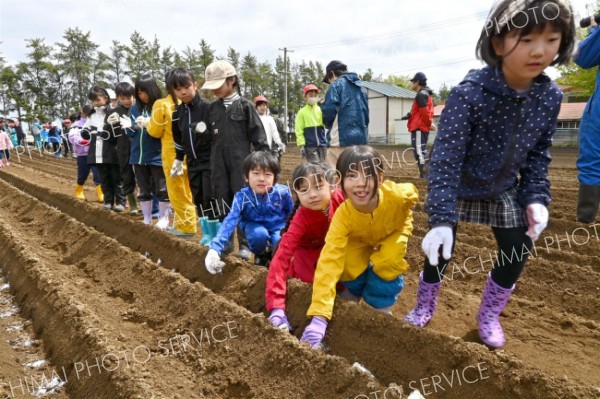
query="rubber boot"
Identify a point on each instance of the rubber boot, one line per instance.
(133, 211)
(493, 302)
(206, 238)
(100, 194)
(146, 211)
(212, 229)
(79, 192)
(427, 299)
(163, 215)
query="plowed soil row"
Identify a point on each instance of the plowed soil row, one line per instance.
(546, 340)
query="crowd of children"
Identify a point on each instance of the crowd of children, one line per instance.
(341, 227)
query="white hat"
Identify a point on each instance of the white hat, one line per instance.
(216, 74)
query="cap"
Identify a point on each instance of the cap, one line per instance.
(310, 87)
(260, 99)
(111, 94)
(419, 76)
(216, 73)
(334, 66)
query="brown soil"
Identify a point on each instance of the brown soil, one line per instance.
(80, 274)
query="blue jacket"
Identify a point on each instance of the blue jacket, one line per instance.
(489, 134)
(346, 108)
(588, 163)
(145, 149)
(270, 210)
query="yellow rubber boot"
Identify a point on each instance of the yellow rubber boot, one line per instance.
(100, 194)
(79, 192)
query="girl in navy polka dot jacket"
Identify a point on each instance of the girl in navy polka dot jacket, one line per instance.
(490, 159)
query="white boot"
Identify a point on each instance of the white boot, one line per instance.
(163, 218)
(146, 211)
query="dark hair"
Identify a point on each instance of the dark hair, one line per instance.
(533, 18)
(124, 89)
(360, 158)
(147, 84)
(179, 77)
(262, 160)
(97, 91)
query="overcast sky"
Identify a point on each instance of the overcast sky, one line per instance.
(389, 36)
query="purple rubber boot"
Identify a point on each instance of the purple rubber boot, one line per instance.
(427, 297)
(493, 302)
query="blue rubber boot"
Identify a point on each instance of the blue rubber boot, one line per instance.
(206, 238)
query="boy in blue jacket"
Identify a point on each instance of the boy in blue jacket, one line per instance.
(261, 209)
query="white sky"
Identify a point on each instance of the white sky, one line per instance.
(391, 37)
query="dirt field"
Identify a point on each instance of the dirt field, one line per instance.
(121, 310)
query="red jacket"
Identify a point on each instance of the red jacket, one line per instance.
(306, 232)
(421, 114)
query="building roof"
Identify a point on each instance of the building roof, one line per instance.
(568, 111)
(389, 90)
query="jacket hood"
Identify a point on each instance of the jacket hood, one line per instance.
(493, 80)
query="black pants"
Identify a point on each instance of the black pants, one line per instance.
(112, 185)
(514, 248)
(199, 178)
(587, 203)
(151, 180)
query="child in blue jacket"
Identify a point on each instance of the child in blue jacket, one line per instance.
(490, 160)
(261, 209)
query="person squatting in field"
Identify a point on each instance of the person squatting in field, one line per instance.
(261, 210)
(303, 237)
(498, 123)
(366, 242)
(236, 131)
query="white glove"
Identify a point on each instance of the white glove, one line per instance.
(201, 127)
(113, 118)
(125, 122)
(142, 121)
(537, 217)
(213, 262)
(440, 235)
(177, 168)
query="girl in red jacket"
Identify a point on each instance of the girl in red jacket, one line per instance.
(304, 237)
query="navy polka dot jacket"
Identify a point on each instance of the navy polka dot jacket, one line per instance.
(490, 139)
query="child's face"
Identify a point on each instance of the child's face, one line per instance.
(359, 186)
(186, 94)
(100, 101)
(143, 96)
(126, 101)
(225, 90)
(524, 59)
(260, 180)
(313, 193)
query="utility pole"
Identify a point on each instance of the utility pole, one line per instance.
(285, 88)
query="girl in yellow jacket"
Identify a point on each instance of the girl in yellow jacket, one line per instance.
(366, 242)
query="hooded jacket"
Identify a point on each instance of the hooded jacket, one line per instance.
(346, 111)
(421, 114)
(588, 163)
(489, 135)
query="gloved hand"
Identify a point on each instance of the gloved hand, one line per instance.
(84, 142)
(213, 262)
(440, 235)
(315, 332)
(125, 122)
(113, 119)
(303, 152)
(177, 168)
(201, 127)
(537, 218)
(142, 121)
(279, 319)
